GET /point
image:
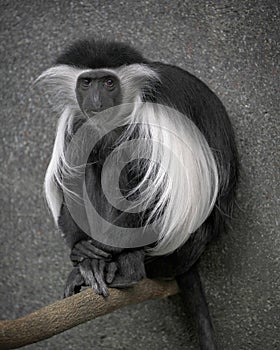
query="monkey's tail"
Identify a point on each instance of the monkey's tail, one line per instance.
(195, 301)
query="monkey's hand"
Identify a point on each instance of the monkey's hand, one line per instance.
(85, 249)
(93, 267)
(130, 268)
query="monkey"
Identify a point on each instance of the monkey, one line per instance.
(182, 171)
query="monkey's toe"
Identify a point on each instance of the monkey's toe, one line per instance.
(74, 283)
(121, 282)
(93, 272)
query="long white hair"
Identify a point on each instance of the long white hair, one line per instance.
(180, 181)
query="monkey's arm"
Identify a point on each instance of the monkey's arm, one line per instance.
(98, 265)
(93, 265)
(129, 262)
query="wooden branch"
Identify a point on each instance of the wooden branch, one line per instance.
(70, 312)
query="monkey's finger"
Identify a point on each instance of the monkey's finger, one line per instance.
(101, 268)
(85, 248)
(73, 283)
(90, 245)
(76, 258)
(86, 272)
(82, 253)
(111, 271)
(98, 267)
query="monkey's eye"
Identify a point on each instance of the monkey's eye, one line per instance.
(85, 82)
(109, 83)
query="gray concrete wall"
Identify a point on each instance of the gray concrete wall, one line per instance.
(231, 45)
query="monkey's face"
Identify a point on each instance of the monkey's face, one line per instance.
(97, 91)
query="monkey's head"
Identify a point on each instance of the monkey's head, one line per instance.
(91, 76)
(98, 90)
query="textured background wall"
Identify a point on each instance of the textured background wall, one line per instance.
(233, 47)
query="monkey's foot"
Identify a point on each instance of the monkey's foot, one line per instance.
(93, 268)
(130, 269)
(97, 274)
(94, 273)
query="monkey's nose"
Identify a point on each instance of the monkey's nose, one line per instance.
(96, 104)
(91, 105)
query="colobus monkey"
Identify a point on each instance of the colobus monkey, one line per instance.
(179, 171)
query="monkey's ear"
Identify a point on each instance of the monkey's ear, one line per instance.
(60, 83)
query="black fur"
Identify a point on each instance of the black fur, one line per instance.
(186, 93)
(99, 54)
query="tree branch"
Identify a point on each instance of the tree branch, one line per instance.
(70, 312)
